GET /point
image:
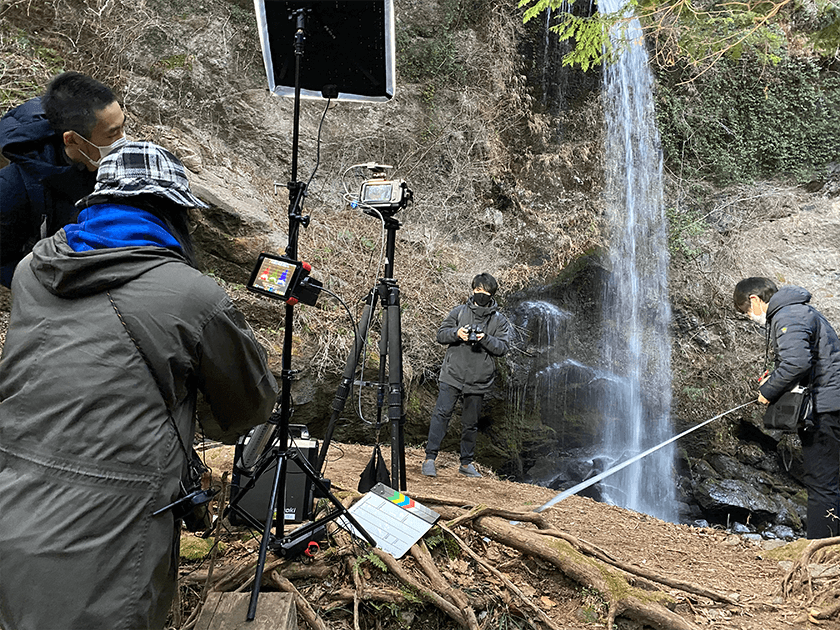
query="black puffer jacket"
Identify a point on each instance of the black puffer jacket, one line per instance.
(802, 338)
(39, 188)
(472, 367)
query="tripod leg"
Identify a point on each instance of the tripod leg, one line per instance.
(279, 482)
(346, 383)
(396, 389)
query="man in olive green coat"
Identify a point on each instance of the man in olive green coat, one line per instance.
(113, 333)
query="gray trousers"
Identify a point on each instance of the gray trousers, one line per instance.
(470, 409)
(821, 452)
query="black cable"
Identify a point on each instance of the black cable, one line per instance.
(349, 315)
(318, 144)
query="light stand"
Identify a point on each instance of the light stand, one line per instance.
(281, 453)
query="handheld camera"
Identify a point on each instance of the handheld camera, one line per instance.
(284, 279)
(472, 334)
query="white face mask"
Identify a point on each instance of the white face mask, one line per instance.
(761, 320)
(103, 151)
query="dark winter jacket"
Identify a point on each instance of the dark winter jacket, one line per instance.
(40, 186)
(471, 368)
(802, 339)
(87, 449)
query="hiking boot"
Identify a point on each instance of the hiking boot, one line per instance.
(469, 470)
(429, 468)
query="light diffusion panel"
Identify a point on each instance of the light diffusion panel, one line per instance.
(348, 44)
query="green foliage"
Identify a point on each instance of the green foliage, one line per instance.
(436, 537)
(742, 120)
(682, 226)
(590, 34)
(373, 559)
(683, 33)
(826, 38)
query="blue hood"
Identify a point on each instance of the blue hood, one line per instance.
(22, 125)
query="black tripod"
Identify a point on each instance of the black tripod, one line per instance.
(280, 453)
(390, 349)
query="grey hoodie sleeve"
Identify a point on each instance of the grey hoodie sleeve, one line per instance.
(497, 342)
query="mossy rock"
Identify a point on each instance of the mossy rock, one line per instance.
(791, 551)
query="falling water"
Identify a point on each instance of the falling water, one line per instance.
(636, 310)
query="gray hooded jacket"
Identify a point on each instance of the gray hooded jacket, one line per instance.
(471, 368)
(802, 339)
(87, 448)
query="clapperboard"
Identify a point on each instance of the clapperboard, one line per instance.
(394, 520)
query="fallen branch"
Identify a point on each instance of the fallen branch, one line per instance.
(307, 612)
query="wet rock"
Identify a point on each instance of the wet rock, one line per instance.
(701, 469)
(740, 528)
(734, 497)
(781, 531)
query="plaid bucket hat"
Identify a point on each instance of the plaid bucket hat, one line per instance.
(140, 168)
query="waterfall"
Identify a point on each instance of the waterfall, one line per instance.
(636, 312)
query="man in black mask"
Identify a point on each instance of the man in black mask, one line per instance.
(476, 333)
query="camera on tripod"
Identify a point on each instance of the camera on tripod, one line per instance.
(386, 196)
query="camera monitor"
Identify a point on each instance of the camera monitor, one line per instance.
(275, 276)
(348, 51)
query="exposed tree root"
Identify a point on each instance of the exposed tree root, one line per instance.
(306, 611)
(423, 576)
(798, 582)
(622, 598)
(498, 575)
(595, 552)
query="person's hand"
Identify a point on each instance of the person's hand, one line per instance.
(479, 336)
(463, 333)
(761, 380)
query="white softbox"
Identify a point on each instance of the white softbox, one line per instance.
(348, 48)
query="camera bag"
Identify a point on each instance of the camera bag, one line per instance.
(794, 410)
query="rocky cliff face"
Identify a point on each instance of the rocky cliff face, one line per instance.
(506, 174)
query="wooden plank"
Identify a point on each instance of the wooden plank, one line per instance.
(227, 611)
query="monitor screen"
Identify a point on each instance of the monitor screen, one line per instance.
(273, 276)
(377, 192)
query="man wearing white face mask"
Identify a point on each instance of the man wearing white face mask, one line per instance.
(807, 351)
(54, 144)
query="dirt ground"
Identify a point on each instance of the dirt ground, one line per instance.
(747, 571)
